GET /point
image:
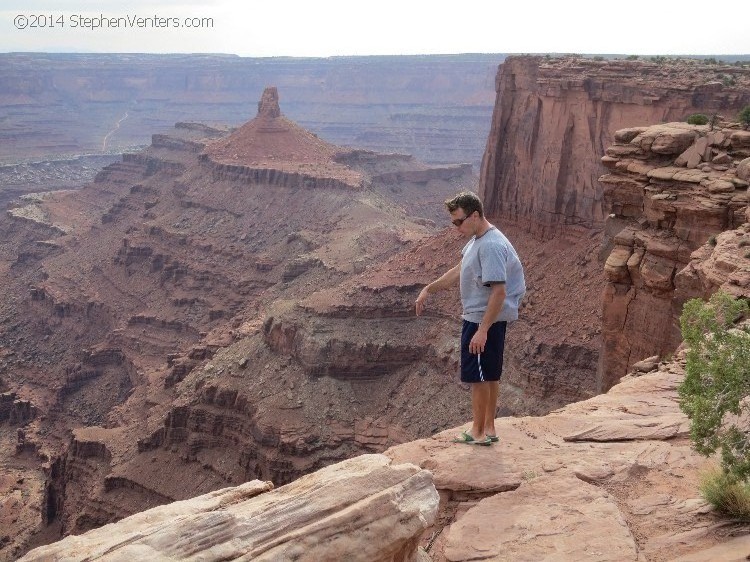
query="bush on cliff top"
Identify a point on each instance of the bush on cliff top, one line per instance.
(744, 116)
(715, 394)
(697, 119)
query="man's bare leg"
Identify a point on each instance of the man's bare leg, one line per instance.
(481, 393)
(491, 412)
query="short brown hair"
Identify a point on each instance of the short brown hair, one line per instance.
(466, 200)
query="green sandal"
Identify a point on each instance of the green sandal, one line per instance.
(469, 440)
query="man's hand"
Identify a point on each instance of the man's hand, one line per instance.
(478, 341)
(447, 279)
(419, 303)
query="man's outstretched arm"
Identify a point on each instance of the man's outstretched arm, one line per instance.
(445, 281)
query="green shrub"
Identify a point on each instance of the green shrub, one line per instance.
(717, 380)
(697, 119)
(631, 57)
(744, 115)
(744, 242)
(726, 494)
(712, 240)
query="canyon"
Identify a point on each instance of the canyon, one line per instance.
(173, 316)
(232, 304)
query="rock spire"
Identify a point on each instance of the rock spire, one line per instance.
(268, 106)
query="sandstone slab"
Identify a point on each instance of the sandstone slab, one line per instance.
(646, 365)
(657, 272)
(627, 135)
(665, 139)
(365, 508)
(691, 157)
(690, 176)
(545, 519)
(734, 550)
(661, 427)
(718, 186)
(740, 139)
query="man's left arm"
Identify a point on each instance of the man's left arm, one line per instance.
(494, 306)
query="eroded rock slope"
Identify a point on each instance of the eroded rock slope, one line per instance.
(137, 355)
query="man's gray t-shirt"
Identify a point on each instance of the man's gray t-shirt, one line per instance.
(485, 261)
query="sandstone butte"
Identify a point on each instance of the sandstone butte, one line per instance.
(607, 478)
(271, 143)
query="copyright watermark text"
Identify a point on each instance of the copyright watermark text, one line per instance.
(101, 21)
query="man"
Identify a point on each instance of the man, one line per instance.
(492, 286)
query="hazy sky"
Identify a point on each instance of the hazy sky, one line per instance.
(355, 27)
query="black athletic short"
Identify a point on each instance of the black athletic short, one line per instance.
(485, 366)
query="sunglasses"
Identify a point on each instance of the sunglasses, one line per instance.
(459, 222)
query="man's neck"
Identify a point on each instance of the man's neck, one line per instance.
(483, 228)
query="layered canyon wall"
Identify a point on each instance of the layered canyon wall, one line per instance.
(552, 115)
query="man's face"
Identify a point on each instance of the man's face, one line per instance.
(463, 222)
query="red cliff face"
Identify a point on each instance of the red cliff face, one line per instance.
(553, 119)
